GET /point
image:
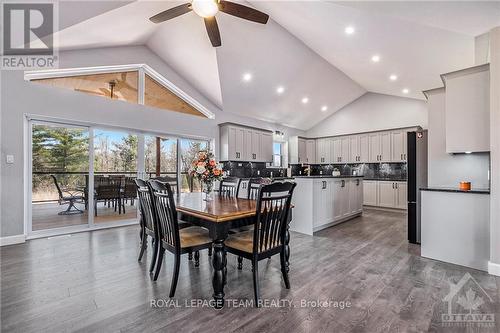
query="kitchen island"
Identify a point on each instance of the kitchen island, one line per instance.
(323, 201)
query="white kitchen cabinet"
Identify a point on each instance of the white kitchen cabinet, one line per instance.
(386, 194)
(374, 147)
(370, 192)
(385, 146)
(355, 196)
(392, 194)
(239, 143)
(399, 149)
(336, 150)
(339, 150)
(311, 151)
(266, 148)
(344, 155)
(302, 147)
(236, 144)
(364, 149)
(354, 149)
(401, 195)
(379, 144)
(323, 151)
(467, 110)
(322, 202)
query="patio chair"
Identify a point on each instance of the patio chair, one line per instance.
(69, 196)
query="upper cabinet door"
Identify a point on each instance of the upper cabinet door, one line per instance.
(353, 149)
(238, 153)
(336, 150)
(467, 110)
(398, 139)
(266, 148)
(311, 151)
(248, 145)
(374, 147)
(385, 146)
(255, 154)
(323, 151)
(345, 151)
(364, 149)
(302, 154)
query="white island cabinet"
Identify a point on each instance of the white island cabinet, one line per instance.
(320, 202)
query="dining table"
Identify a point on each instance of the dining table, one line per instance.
(219, 214)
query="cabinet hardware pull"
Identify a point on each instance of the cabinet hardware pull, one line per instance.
(392, 185)
(401, 156)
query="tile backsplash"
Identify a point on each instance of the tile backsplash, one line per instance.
(251, 169)
(369, 170)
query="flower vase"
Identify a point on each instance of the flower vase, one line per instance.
(207, 189)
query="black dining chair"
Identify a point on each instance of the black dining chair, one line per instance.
(172, 238)
(230, 187)
(268, 235)
(147, 221)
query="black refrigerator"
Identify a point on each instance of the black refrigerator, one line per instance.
(417, 178)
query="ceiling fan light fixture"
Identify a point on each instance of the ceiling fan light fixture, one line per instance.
(205, 8)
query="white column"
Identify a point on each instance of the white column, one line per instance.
(494, 265)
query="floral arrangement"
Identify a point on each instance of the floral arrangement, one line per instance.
(205, 169)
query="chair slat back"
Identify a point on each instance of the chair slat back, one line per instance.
(130, 189)
(146, 204)
(172, 181)
(108, 191)
(273, 207)
(254, 185)
(229, 187)
(166, 213)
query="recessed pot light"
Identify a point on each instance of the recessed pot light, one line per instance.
(247, 77)
(393, 77)
(324, 108)
(376, 58)
(349, 30)
(305, 100)
(405, 91)
(280, 90)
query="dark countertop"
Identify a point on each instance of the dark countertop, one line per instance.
(328, 176)
(273, 178)
(387, 179)
(456, 190)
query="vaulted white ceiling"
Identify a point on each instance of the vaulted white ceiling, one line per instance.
(303, 48)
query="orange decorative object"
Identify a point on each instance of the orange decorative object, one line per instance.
(465, 186)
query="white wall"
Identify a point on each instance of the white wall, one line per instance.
(373, 112)
(19, 97)
(495, 148)
(447, 170)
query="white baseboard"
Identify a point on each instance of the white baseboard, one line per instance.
(9, 240)
(493, 269)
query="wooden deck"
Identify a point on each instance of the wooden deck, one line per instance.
(45, 215)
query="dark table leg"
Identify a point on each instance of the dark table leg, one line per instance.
(219, 264)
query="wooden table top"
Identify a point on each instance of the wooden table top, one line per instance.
(219, 209)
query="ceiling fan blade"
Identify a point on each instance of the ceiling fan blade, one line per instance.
(243, 12)
(89, 92)
(171, 13)
(213, 31)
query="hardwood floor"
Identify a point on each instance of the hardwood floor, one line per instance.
(92, 282)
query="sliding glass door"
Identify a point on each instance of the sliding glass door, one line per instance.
(83, 177)
(115, 169)
(59, 175)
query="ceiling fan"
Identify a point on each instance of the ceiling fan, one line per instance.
(207, 10)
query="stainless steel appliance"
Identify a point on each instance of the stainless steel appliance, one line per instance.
(417, 178)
